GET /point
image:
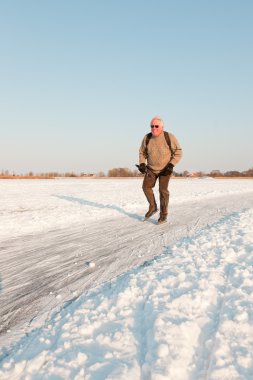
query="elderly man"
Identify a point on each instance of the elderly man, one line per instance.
(162, 152)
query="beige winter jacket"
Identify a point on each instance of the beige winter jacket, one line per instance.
(159, 154)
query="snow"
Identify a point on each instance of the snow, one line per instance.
(88, 291)
(33, 206)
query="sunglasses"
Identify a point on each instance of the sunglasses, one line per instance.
(155, 126)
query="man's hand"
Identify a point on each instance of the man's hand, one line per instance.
(142, 168)
(167, 170)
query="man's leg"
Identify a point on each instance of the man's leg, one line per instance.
(164, 196)
(149, 182)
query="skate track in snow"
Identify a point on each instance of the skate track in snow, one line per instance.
(40, 273)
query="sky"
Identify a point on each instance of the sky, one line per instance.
(81, 80)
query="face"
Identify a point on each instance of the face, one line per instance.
(156, 123)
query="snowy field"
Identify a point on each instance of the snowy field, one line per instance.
(171, 302)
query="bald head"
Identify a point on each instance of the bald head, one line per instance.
(156, 125)
(157, 121)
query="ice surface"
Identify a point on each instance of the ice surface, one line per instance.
(162, 302)
(32, 206)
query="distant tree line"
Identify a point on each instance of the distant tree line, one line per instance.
(231, 173)
(125, 172)
(53, 174)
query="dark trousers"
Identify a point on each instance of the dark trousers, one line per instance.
(149, 182)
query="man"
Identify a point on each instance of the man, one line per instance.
(162, 152)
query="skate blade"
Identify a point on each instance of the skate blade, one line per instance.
(164, 221)
(145, 219)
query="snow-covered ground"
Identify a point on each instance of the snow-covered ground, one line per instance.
(32, 206)
(162, 302)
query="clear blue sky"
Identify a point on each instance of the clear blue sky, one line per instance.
(80, 81)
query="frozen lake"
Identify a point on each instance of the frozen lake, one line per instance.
(185, 315)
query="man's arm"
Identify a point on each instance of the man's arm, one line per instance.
(178, 153)
(142, 152)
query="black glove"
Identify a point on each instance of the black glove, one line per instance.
(142, 168)
(167, 170)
